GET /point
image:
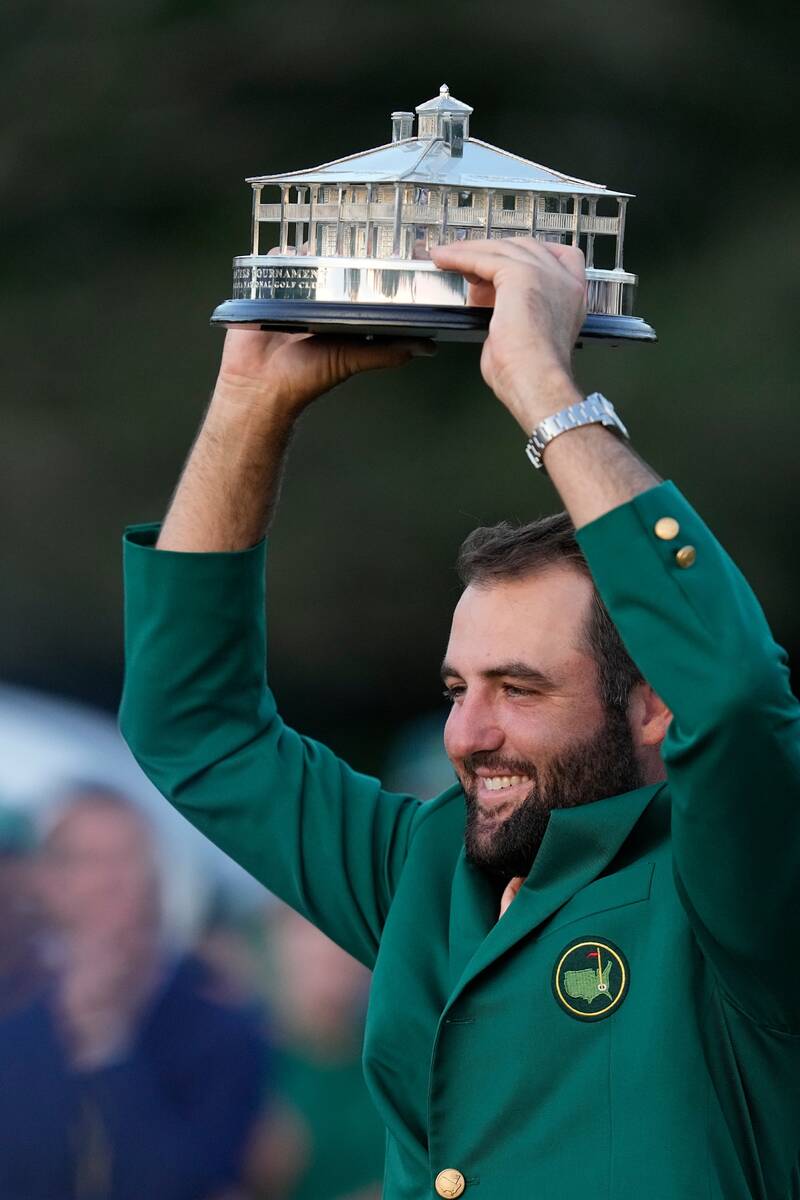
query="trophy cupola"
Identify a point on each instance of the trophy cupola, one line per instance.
(444, 110)
(402, 126)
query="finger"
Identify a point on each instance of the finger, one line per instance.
(354, 355)
(474, 260)
(408, 347)
(546, 255)
(525, 249)
(376, 356)
(481, 294)
(501, 246)
(246, 349)
(369, 341)
(570, 257)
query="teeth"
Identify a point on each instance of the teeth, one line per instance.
(497, 783)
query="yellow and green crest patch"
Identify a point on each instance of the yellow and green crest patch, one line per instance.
(590, 978)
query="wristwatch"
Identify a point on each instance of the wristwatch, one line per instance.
(594, 410)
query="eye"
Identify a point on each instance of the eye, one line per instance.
(513, 689)
(454, 692)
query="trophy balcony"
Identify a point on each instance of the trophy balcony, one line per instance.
(477, 217)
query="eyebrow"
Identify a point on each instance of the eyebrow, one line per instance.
(516, 669)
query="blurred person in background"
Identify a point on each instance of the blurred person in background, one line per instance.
(127, 1077)
(322, 1138)
(21, 971)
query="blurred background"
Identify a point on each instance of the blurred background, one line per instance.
(128, 132)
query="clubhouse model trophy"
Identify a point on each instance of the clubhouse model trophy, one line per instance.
(354, 235)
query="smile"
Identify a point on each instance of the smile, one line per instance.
(498, 783)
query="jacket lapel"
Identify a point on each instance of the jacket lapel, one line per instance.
(578, 844)
(474, 905)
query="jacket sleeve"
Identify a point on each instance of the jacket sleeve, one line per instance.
(700, 638)
(198, 715)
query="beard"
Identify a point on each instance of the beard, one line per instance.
(601, 766)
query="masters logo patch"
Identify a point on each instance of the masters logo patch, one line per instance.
(590, 978)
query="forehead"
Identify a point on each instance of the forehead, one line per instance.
(539, 619)
(97, 827)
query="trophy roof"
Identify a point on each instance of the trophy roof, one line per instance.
(444, 102)
(429, 161)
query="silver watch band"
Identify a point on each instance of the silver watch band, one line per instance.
(595, 409)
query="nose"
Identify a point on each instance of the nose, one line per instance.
(471, 727)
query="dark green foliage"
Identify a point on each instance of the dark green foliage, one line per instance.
(128, 131)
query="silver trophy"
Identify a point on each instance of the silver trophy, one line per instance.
(354, 236)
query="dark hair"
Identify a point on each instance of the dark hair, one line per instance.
(506, 551)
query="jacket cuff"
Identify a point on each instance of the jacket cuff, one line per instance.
(654, 543)
(220, 585)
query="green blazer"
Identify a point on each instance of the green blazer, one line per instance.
(630, 1028)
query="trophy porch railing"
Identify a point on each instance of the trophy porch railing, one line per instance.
(310, 225)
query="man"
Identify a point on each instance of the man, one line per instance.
(127, 1077)
(20, 962)
(629, 1025)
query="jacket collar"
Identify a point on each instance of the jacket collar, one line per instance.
(578, 845)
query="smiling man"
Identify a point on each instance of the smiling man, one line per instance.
(526, 739)
(585, 953)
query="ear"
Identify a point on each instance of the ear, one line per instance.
(649, 717)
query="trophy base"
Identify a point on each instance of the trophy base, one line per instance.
(437, 322)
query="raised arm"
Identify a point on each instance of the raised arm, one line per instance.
(196, 708)
(538, 293)
(691, 624)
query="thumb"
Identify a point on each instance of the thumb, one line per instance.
(394, 352)
(354, 355)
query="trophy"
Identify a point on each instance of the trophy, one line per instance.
(354, 236)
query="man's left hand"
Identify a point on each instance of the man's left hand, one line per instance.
(538, 292)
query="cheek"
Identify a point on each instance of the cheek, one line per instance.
(450, 727)
(537, 734)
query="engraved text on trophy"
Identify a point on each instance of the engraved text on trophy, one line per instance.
(275, 282)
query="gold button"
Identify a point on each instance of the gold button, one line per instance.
(685, 556)
(666, 528)
(450, 1183)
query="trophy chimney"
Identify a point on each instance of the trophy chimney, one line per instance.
(402, 126)
(453, 133)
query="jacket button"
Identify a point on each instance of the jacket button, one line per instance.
(666, 528)
(686, 556)
(450, 1183)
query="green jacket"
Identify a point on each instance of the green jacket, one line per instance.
(630, 1028)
